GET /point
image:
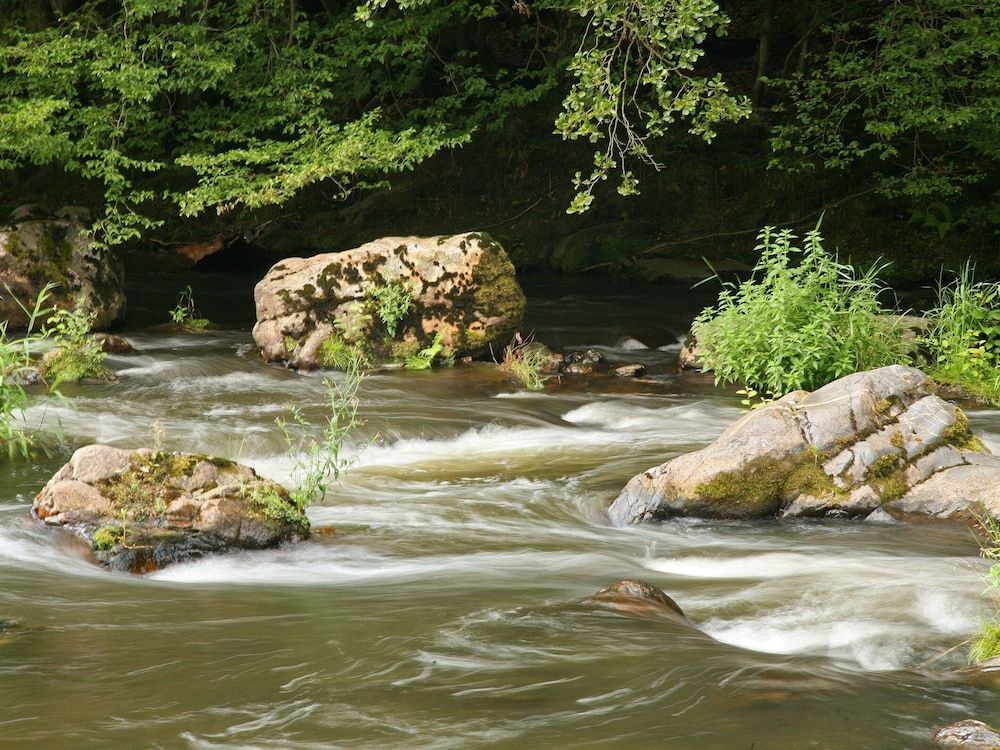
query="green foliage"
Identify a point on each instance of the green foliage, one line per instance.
(106, 537)
(353, 326)
(909, 89)
(268, 501)
(77, 354)
(15, 369)
(185, 314)
(524, 361)
(801, 320)
(987, 642)
(424, 359)
(337, 354)
(320, 461)
(634, 78)
(965, 339)
(390, 303)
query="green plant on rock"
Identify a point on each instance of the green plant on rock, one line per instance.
(16, 370)
(390, 303)
(964, 341)
(525, 361)
(353, 325)
(317, 462)
(424, 359)
(801, 320)
(185, 314)
(77, 354)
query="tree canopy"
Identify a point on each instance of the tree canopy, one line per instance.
(179, 107)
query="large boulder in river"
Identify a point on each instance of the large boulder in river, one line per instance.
(143, 509)
(872, 441)
(463, 287)
(57, 250)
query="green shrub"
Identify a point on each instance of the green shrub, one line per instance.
(77, 355)
(391, 302)
(964, 342)
(318, 462)
(185, 314)
(801, 320)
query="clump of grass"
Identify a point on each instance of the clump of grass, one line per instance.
(390, 303)
(320, 461)
(337, 354)
(186, 315)
(986, 644)
(424, 359)
(77, 354)
(801, 320)
(965, 339)
(524, 360)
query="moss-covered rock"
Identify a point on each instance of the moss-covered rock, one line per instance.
(463, 286)
(57, 251)
(869, 441)
(143, 509)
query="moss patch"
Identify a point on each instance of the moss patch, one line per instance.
(960, 435)
(755, 491)
(146, 486)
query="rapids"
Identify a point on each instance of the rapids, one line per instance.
(442, 608)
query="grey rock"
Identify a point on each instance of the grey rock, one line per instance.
(968, 735)
(870, 440)
(34, 252)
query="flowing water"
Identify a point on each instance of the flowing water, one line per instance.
(440, 604)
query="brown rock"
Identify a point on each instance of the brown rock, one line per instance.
(140, 510)
(463, 287)
(636, 598)
(630, 371)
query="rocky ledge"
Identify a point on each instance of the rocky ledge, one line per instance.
(143, 509)
(874, 444)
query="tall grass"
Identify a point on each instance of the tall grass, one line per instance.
(965, 339)
(801, 320)
(319, 461)
(16, 369)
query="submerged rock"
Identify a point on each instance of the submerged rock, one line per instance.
(36, 252)
(113, 344)
(968, 735)
(871, 441)
(142, 509)
(630, 371)
(636, 598)
(462, 287)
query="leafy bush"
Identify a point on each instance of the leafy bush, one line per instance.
(318, 462)
(77, 354)
(15, 370)
(391, 303)
(801, 320)
(185, 314)
(965, 339)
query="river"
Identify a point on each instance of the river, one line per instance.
(439, 604)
